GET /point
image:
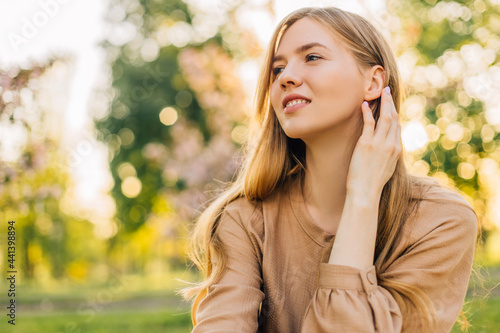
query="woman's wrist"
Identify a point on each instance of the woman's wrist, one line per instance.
(355, 239)
(363, 198)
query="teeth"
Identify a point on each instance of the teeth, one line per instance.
(296, 101)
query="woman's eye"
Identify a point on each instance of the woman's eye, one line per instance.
(277, 70)
(311, 57)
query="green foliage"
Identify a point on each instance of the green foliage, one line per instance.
(453, 52)
(173, 107)
(142, 89)
(33, 186)
(47, 237)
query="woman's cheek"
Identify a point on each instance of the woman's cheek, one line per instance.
(274, 97)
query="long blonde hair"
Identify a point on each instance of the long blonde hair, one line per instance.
(273, 160)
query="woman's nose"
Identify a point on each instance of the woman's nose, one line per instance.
(289, 77)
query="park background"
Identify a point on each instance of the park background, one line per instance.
(119, 119)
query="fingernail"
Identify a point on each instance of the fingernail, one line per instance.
(365, 103)
(388, 90)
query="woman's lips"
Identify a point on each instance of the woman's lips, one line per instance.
(293, 108)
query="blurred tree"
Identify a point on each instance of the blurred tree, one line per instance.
(448, 54)
(176, 102)
(174, 121)
(33, 176)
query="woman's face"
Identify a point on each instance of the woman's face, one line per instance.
(317, 85)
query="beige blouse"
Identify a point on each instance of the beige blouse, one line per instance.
(277, 260)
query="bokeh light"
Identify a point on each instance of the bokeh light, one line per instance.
(131, 187)
(414, 136)
(168, 116)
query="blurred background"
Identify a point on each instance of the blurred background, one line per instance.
(119, 119)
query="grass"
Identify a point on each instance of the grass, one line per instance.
(121, 321)
(144, 306)
(126, 304)
(483, 315)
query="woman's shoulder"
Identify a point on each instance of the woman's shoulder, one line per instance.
(251, 214)
(441, 208)
(441, 194)
(243, 207)
(430, 191)
(245, 214)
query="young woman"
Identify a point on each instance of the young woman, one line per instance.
(325, 230)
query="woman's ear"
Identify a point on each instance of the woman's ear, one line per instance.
(375, 78)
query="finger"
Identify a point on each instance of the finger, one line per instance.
(395, 118)
(392, 137)
(394, 115)
(394, 112)
(398, 137)
(368, 121)
(385, 117)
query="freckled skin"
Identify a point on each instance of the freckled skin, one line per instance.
(328, 76)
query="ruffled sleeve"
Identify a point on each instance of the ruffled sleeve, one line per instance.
(232, 304)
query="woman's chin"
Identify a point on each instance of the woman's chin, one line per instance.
(298, 133)
(291, 132)
(297, 128)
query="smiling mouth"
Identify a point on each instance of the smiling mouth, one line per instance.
(296, 101)
(295, 105)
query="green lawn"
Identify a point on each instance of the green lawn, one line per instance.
(122, 321)
(143, 307)
(483, 315)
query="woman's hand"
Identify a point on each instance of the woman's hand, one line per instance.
(376, 153)
(372, 164)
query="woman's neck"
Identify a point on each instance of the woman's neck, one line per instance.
(327, 165)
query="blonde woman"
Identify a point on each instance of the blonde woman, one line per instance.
(324, 229)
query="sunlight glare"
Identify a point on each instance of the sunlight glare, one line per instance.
(414, 136)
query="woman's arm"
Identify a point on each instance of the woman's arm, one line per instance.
(372, 164)
(355, 240)
(438, 262)
(232, 304)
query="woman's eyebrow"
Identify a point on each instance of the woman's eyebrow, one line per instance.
(300, 49)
